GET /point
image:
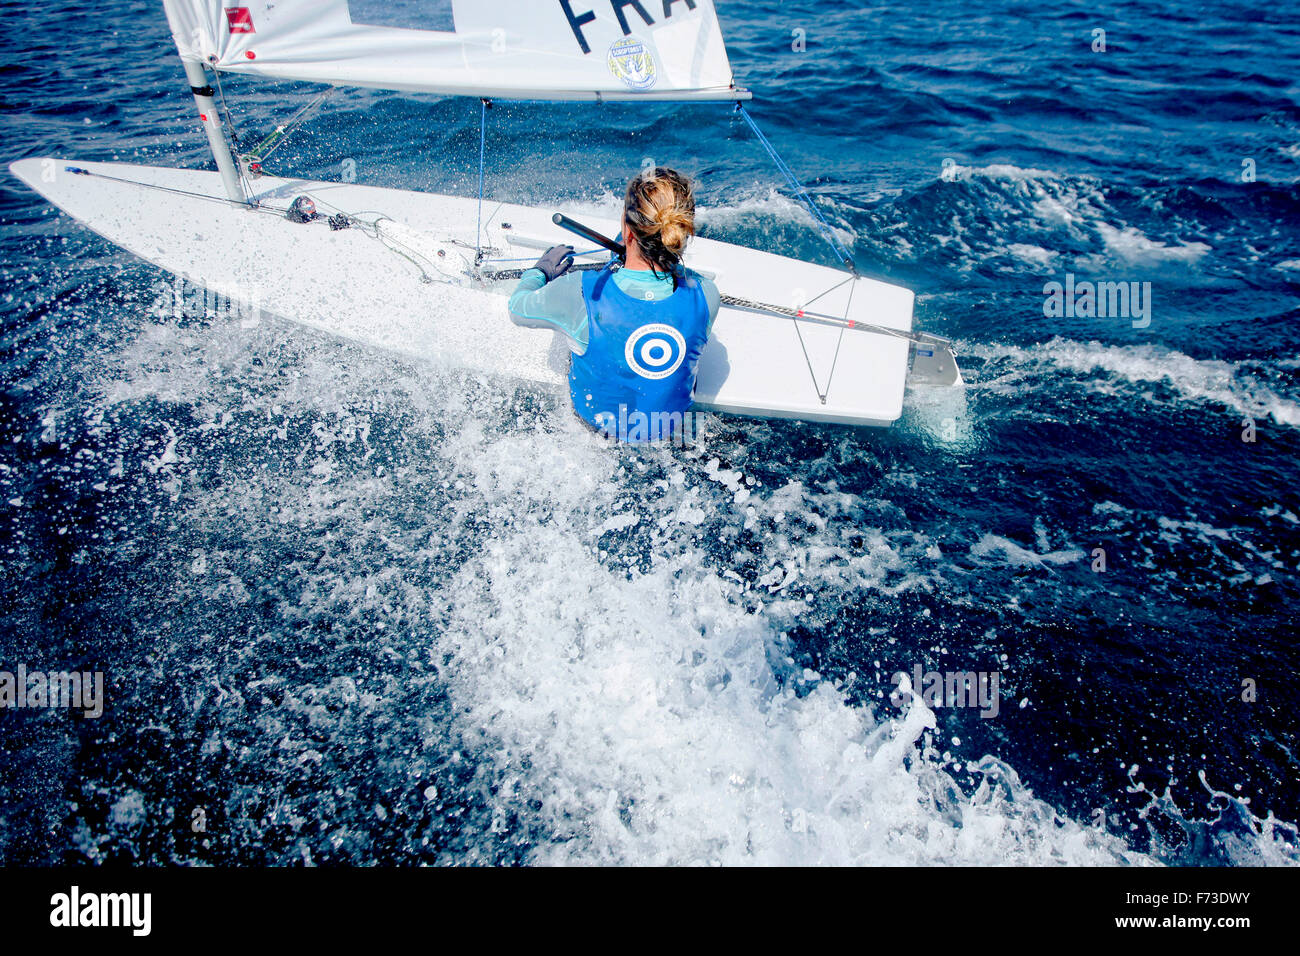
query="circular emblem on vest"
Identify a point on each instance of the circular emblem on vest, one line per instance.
(632, 63)
(655, 351)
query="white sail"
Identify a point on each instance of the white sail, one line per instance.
(508, 49)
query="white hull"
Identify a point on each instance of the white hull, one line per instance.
(351, 284)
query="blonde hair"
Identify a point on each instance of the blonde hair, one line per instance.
(660, 212)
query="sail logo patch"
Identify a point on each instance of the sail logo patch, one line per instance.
(632, 63)
(655, 351)
(240, 19)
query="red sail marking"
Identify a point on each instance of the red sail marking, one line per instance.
(240, 19)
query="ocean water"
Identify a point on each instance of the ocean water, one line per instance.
(352, 608)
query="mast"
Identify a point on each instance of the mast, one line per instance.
(198, 78)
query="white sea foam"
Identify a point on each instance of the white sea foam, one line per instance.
(642, 715)
(994, 549)
(1034, 255)
(623, 684)
(742, 212)
(1075, 205)
(1228, 384)
(1130, 245)
(1003, 171)
(770, 204)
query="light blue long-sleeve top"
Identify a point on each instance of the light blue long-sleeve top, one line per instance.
(539, 304)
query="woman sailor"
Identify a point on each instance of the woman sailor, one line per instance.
(636, 328)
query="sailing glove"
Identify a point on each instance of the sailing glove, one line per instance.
(556, 262)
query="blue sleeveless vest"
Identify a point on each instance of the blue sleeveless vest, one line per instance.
(639, 368)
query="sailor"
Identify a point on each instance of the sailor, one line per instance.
(636, 328)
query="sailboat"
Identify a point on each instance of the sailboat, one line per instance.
(421, 274)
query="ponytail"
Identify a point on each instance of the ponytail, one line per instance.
(660, 212)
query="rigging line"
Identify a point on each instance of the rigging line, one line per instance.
(79, 171)
(800, 192)
(500, 206)
(387, 242)
(827, 292)
(284, 131)
(576, 255)
(848, 323)
(413, 257)
(244, 181)
(797, 314)
(808, 360)
(729, 300)
(821, 318)
(482, 161)
(498, 274)
(230, 117)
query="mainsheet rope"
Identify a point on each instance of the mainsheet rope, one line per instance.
(800, 192)
(846, 259)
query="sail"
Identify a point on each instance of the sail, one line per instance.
(507, 49)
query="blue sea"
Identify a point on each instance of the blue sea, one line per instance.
(351, 608)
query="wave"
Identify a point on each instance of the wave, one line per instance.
(647, 715)
(1006, 219)
(616, 689)
(1115, 368)
(627, 697)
